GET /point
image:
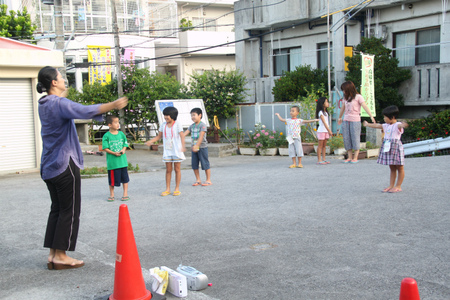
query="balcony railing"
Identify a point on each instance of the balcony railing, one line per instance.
(429, 85)
(197, 40)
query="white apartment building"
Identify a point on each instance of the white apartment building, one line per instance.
(150, 27)
(196, 50)
(280, 35)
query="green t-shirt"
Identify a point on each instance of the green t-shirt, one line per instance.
(115, 143)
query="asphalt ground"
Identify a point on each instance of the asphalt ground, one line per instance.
(261, 231)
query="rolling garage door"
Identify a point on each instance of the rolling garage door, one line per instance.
(17, 130)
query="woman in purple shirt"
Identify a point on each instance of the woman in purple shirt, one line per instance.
(61, 162)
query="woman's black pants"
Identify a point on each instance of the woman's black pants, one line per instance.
(64, 217)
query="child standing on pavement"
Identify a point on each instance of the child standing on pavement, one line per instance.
(171, 132)
(199, 147)
(391, 152)
(114, 143)
(324, 131)
(293, 126)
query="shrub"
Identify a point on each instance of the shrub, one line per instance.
(336, 142)
(308, 106)
(297, 83)
(95, 93)
(264, 138)
(142, 89)
(220, 90)
(435, 125)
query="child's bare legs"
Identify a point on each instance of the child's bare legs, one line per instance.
(294, 161)
(168, 175)
(197, 175)
(401, 176)
(177, 167)
(324, 149)
(300, 162)
(319, 151)
(125, 189)
(208, 175)
(393, 175)
(111, 191)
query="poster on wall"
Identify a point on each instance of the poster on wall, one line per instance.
(100, 71)
(128, 57)
(367, 83)
(184, 107)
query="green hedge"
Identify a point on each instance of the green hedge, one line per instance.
(434, 126)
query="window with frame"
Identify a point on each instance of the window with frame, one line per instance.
(411, 47)
(204, 24)
(322, 55)
(286, 60)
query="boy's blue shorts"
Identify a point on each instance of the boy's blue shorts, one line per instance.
(118, 176)
(200, 156)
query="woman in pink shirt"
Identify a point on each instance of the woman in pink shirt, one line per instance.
(351, 127)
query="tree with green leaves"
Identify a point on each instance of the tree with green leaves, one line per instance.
(142, 89)
(16, 25)
(220, 90)
(92, 94)
(387, 74)
(295, 84)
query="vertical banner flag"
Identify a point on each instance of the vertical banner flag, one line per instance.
(128, 57)
(101, 57)
(368, 84)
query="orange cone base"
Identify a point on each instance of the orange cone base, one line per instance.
(147, 296)
(409, 289)
(128, 280)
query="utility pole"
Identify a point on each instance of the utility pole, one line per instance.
(59, 32)
(117, 62)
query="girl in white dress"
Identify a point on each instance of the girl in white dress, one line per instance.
(172, 134)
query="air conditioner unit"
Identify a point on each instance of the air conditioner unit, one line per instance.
(381, 33)
(49, 2)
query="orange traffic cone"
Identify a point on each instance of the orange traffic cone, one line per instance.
(409, 289)
(128, 280)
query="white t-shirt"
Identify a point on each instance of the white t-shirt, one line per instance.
(172, 140)
(294, 128)
(322, 127)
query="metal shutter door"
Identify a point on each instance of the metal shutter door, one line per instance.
(17, 131)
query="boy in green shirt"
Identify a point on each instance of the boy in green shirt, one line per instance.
(115, 143)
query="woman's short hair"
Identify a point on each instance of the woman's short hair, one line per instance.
(45, 77)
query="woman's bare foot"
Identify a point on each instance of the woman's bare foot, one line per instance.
(62, 258)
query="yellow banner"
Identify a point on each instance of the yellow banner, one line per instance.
(101, 71)
(368, 84)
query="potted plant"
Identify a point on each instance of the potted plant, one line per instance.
(282, 144)
(154, 147)
(372, 150)
(336, 144)
(248, 148)
(264, 140)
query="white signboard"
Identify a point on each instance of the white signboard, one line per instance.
(184, 107)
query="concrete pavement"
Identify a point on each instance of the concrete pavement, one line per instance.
(261, 231)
